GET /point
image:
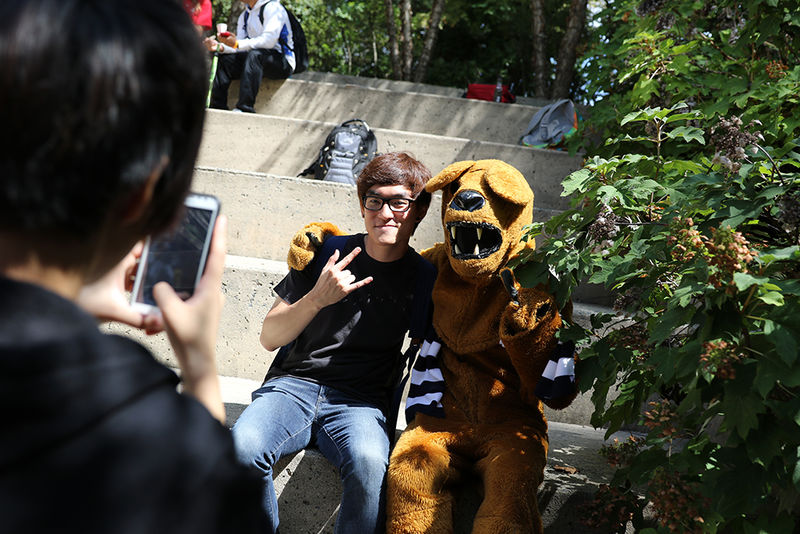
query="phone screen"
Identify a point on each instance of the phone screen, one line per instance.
(176, 257)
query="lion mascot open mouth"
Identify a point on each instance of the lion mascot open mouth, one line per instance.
(485, 206)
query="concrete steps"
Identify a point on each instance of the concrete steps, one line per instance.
(284, 147)
(309, 489)
(379, 83)
(386, 108)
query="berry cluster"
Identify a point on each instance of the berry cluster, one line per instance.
(719, 358)
(610, 510)
(677, 502)
(776, 69)
(628, 299)
(603, 230)
(633, 337)
(689, 242)
(647, 7)
(662, 417)
(729, 253)
(730, 140)
(619, 454)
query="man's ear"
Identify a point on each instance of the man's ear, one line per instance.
(419, 215)
(140, 199)
(421, 212)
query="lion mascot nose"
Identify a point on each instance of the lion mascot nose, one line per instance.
(468, 200)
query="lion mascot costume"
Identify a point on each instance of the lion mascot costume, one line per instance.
(475, 401)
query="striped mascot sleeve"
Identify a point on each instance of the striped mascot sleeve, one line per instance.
(558, 378)
(427, 382)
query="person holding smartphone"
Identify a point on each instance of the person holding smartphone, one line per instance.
(342, 321)
(103, 115)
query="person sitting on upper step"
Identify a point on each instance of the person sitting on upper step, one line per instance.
(262, 47)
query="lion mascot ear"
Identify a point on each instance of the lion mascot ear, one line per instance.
(507, 182)
(449, 174)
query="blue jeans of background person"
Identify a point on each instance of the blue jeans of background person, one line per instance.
(250, 67)
(289, 414)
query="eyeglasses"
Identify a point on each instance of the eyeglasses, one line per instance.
(397, 204)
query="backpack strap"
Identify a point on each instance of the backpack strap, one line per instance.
(281, 39)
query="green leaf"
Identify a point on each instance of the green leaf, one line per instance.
(772, 298)
(742, 413)
(796, 473)
(785, 344)
(577, 181)
(788, 253)
(687, 133)
(743, 281)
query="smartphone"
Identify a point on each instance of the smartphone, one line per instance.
(178, 256)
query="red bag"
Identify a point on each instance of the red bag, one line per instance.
(485, 91)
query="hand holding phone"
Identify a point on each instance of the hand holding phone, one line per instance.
(106, 299)
(192, 326)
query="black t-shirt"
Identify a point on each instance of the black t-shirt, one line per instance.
(355, 344)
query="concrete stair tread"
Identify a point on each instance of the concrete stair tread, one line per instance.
(437, 114)
(286, 146)
(404, 86)
(378, 83)
(309, 489)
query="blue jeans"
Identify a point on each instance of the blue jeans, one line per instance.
(289, 414)
(249, 67)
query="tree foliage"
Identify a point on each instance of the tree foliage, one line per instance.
(477, 41)
(688, 211)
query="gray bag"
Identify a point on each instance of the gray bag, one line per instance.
(551, 124)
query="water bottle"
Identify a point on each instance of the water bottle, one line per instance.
(498, 90)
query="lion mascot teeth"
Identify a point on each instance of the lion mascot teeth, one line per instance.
(495, 341)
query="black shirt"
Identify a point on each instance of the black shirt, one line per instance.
(355, 344)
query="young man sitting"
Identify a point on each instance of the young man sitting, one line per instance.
(263, 46)
(345, 318)
(102, 113)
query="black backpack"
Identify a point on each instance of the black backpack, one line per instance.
(298, 36)
(347, 149)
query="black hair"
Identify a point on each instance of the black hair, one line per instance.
(396, 168)
(96, 94)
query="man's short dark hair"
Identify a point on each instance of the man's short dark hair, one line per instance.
(96, 94)
(396, 168)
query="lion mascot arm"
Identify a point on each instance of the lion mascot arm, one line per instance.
(528, 329)
(306, 242)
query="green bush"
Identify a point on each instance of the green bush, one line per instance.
(688, 211)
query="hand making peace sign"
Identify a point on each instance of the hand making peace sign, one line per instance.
(336, 282)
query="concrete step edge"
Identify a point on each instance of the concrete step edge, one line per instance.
(522, 107)
(389, 131)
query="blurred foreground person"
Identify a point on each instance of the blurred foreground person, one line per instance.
(103, 106)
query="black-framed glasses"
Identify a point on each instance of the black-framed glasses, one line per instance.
(396, 204)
